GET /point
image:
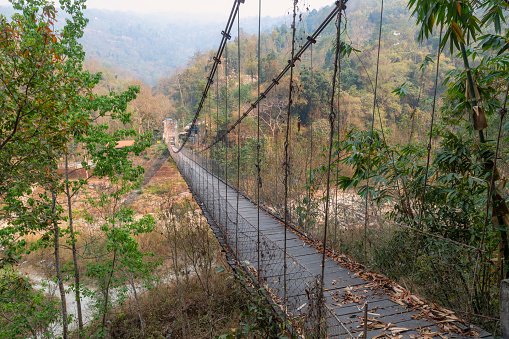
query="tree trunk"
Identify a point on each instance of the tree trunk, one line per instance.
(499, 206)
(179, 287)
(107, 289)
(180, 90)
(138, 306)
(74, 250)
(56, 233)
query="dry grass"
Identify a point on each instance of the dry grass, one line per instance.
(203, 315)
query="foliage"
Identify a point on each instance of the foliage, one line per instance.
(48, 102)
(38, 94)
(314, 90)
(257, 317)
(51, 111)
(119, 263)
(452, 207)
(34, 82)
(25, 311)
(206, 314)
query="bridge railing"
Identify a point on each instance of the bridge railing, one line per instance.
(264, 259)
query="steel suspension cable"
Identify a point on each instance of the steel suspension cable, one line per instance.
(217, 162)
(286, 164)
(296, 57)
(258, 179)
(423, 199)
(217, 60)
(338, 140)
(366, 218)
(332, 119)
(196, 157)
(502, 112)
(238, 140)
(208, 158)
(211, 165)
(276, 153)
(225, 142)
(310, 147)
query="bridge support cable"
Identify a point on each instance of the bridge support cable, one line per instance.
(332, 120)
(366, 218)
(428, 160)
(336, 221)
(217, 164)
(296, 57)
(308, 212)
(258, 178)
(217, 60)
(276, 152)
(238, 140)
(225, 142)
(207, 159)
(286, 164)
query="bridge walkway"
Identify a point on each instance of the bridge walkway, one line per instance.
(345, 293)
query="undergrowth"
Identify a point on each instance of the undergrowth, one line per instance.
(226, 311)
(202, 315)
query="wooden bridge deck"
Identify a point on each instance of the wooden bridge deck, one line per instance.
(345, 293)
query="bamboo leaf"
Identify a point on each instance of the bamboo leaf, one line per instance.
(457, 31)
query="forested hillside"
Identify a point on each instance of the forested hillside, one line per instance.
(404, 62)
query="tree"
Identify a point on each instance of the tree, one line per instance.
(315, 90)
(463, 30)
(25, 311)
(37, 95)
(149, 108)
(48, 103)
(119, 261)
(33, 128)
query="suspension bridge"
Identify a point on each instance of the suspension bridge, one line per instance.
(313, 287)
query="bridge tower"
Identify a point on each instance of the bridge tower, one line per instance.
(170, 131)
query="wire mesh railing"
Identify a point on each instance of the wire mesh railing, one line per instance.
(264, 259)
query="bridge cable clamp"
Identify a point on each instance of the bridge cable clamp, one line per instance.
(226, 35)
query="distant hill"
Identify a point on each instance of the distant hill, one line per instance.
(149, 46)
(145, 46)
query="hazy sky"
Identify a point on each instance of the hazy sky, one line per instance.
(215, 7)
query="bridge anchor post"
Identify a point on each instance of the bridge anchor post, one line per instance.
(504, 308)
